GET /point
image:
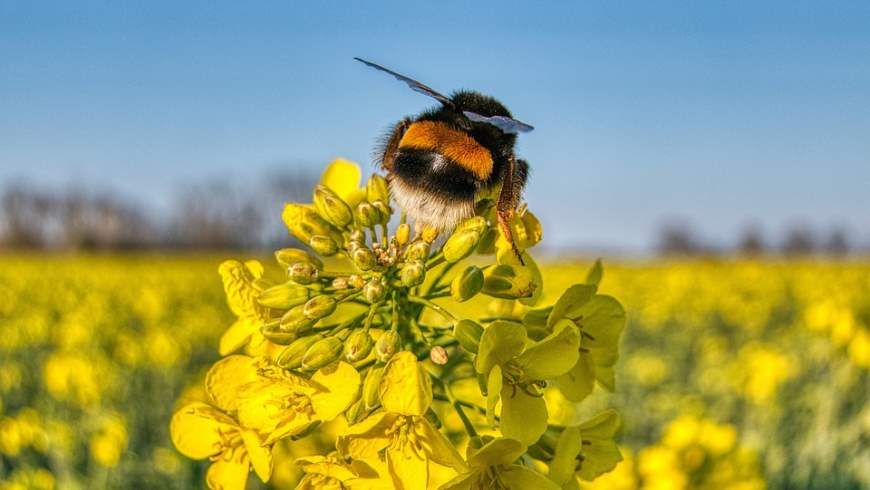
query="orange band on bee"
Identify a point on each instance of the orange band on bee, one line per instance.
(453, 144)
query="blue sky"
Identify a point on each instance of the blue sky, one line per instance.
(721, 113)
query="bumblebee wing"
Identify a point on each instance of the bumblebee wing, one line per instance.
(506, 124)
(414, 84)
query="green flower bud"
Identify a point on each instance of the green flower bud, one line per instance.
(323, 245)
(331, 207)
(289, 256)
(364, 259)
(356, 412)
(291, 356)
(274, 333)
(371, 386)
(303, 222)
(302, 273)
(295, 321)
(387, 345)
(419, 250)
(358, 345)
(508, 282)
(366, 215)
(384, 211)
(468, 333)
(377, 189)
(322, 353)
(319, 307)
(374, 291)
(403, 233)
(283, 296)
(467, 284)
(413, 273)
(486, 246)
(464, 239)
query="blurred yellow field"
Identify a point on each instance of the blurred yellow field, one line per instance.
(732, 374)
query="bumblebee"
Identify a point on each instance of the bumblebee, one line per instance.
(439, 162)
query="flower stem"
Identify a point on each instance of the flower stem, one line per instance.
(437, 308)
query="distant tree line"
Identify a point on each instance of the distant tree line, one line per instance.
(217, 214)
(679, 238)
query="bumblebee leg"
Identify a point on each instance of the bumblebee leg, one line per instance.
(390, 146)
(514, 180)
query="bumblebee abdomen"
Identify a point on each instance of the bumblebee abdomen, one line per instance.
(456, 146)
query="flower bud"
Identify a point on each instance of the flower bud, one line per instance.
(438, 355)
(429, 233)
(371, 386)
(377, 189)
(289, 256)
(413, 273)
(356, 412)
(358, 236)
(403, 233)
(302, 272)
(296, 322)
(419, 250)
(537, 317)
(291, 356)
(384, 211)
(283, 296)
(374, 291)
(340, 283)
(323, 352)
(366, 215)
(364, 259)
(356, 280)
(275, 334)
(303, 222)
(508, 282)
(387, 345)
(467, 284)
(486, 245)
(319, 307)
(358, 345)
(467, 333)
(464, 239)
(331, 207)
(323, 245)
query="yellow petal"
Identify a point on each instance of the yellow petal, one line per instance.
(227, 475)
(226, 378)
(262, 408)
(523, 417)
(493, 393)
(196, 430)
(260, 456)
(235, 337)
(365, 439)
(343, 177)
(497, 452)
(500, 342)
(408, 471)
(321, 465)
(460, 482)
(517, 476)
(337, 387)
(436, 445)
(405, 386)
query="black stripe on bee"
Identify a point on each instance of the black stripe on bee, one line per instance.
(434, 173)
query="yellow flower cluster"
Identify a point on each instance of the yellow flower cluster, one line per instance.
(354, 332)
(693, 453)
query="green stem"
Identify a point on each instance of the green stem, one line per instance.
(437, 308)
(443, 272)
